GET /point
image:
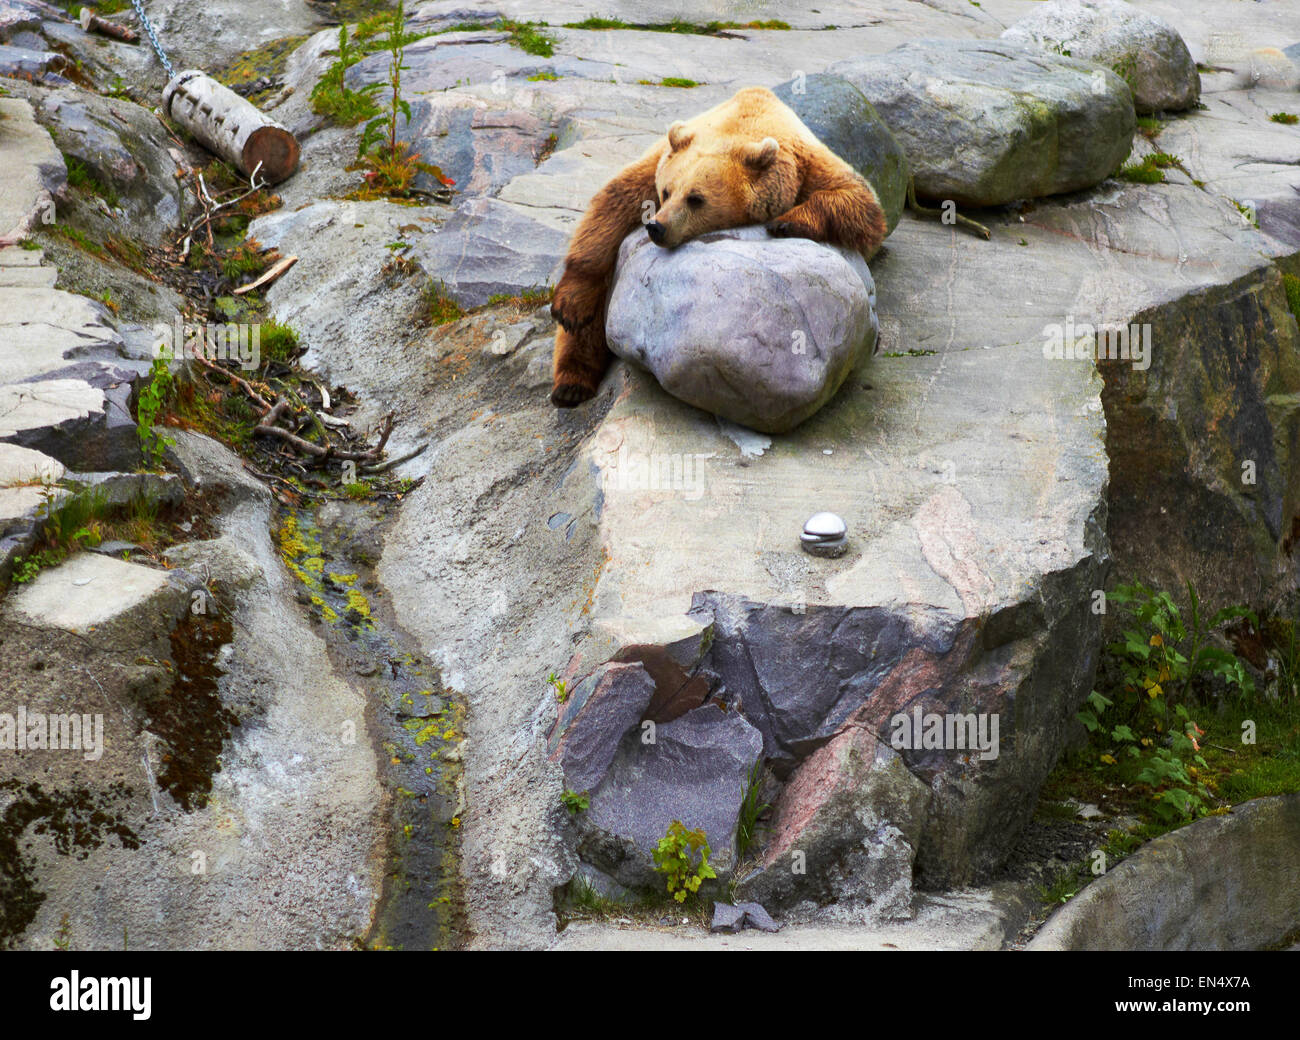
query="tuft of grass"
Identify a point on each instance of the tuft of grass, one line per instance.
(542, 76)
(81, 177)
(1150, 169)
(278, 342)
(1291, 285)
(529, 299)
(677, 25)
(529, 37)
(439, 306)
(357, 491)
(669, 81)
(750, 810)
(1288, 118)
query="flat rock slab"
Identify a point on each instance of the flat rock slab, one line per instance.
(982, 121)
(1145, 51)
(761, 331)
(28, 277)
(86, 592)
(33, 169)
(29, 407)
(25, 480)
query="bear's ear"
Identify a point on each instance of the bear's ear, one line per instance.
(678, 138)
(760, 154)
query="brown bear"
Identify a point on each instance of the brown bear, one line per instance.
(750, 160)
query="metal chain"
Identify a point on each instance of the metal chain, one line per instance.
(153, 38)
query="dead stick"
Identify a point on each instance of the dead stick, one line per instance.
(927, 211)
(244, 384)
(384, 467)
(90, 20)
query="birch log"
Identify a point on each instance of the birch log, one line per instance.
(230, 126)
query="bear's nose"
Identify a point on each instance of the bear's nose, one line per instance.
(656, 232)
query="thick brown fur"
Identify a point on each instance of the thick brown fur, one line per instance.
(748, 161)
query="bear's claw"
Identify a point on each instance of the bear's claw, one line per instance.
(570, 395)
(789, 229)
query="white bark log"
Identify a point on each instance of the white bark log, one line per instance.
(230, 126)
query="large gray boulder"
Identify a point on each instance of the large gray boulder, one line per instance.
(761, 331)
(1223, 883)
(1145, 51)
(845, 121)
(986, 122)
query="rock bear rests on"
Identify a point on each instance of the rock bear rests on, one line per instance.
(748, 161)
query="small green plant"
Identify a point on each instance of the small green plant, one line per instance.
(30, 245)
(1287, 118)
(575, 802)
(332, 96)
(1149, 126)
(1246, 211)
(675, 858)
(152, 397)
(391, 164)
(560, 687)
(541, 76)
(669, 81)
(528, 37)
(1165, 657)
(357, 491)
(63, 936)
(26, 568)
(439, 306)
(750, 810)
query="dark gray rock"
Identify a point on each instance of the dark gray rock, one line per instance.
(120, 489)
(688, 316)
(125, 149)
(25, 15)
(481, 149)
(845, 121)
(593, 720)
(982, 121)
(757, 917)
(1145, 51)
(727, 918)
(488, 247)
(800, 676)
(39, 66)
(695, 771)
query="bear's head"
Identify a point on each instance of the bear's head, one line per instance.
(705, 186)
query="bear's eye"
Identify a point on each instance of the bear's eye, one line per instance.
(668, 194)
(695, 201)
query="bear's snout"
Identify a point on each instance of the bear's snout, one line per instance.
(656, 231)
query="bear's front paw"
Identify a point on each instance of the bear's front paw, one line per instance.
(570, 395)
(790, 229)
(576, 302)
